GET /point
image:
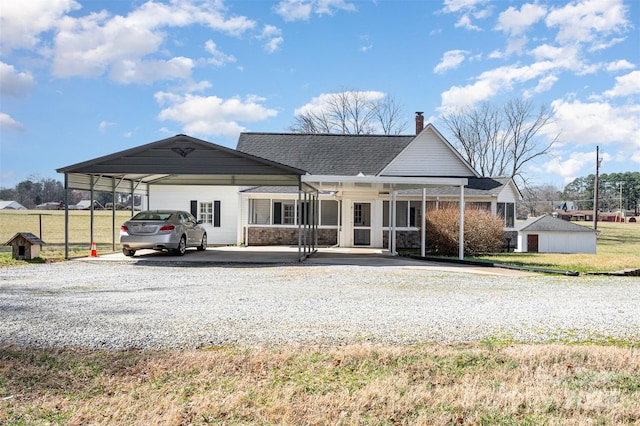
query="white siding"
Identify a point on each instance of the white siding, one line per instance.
(560, 242)
(427, 155)
(179, 198)
(508, 194)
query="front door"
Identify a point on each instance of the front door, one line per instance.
(532, 243)
(361, 224)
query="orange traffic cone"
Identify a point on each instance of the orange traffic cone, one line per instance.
(94, 252)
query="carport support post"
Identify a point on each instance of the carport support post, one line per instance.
(66, 216)
(113, 215)
(461, 236)
(299, 220)
(133, 200)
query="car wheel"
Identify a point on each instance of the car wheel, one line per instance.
(182, 247)
(128, 252)
(203, 244)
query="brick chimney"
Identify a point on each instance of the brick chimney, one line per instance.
(419, 122)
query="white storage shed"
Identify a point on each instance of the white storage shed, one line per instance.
(547, 234)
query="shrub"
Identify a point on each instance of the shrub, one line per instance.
(483, 232)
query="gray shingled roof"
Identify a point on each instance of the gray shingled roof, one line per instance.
(326, 154)
(550, 223)
(481, 186)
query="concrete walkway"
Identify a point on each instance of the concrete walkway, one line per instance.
(279, 255)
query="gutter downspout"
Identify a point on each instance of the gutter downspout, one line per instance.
(423, 235)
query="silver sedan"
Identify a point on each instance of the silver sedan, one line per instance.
(170, 230)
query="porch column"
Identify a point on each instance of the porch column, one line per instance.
(389, 224)
(461, 237)
(393, 226)
(299, 221)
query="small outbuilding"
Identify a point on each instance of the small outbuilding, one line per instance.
(547, 234)
(11, 205)
(26, 246)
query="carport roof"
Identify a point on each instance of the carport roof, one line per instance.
(182, 160)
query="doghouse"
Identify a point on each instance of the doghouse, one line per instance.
(25, 245)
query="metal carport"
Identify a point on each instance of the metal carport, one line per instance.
(181, 160)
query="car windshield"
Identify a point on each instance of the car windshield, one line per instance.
(152, 216)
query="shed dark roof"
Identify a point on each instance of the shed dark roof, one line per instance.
(550, 223)
(326, 154)
(27, 236)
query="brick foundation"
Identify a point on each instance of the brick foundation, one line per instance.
(287, 236)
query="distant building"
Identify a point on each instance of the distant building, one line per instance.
(11, 205)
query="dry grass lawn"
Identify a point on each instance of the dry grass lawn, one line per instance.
(468, 384)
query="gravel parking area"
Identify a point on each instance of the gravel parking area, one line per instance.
(120, 305)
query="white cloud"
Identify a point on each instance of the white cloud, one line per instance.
(104, 125)
(587, 21)
(576, 165)
(211, 115)
(22, 22)
(452, 6)
(294, 10)
(490, 83)
(300, 10)
(129, 71)
(90, 45)
(327, 7)
(597, 123)
(465, 22)
(450, 60)
(14, 83)
(466, 9)
(218, 58)
(620, 65)
(273, 35)
(516, 22)
(626, 85)
(544, 84)
(7, 122)
(567, 57)
(366, 44)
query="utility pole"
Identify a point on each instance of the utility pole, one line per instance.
(621, 215)
(595, 190)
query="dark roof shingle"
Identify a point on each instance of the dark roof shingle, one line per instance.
(550, 223)
(326, 154)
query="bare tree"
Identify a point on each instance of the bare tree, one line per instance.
(351, 112)
(499, 141)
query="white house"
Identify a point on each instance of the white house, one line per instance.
(547, 234)
(345, 190)
(354, 176)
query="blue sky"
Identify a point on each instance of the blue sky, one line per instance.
(82, 79)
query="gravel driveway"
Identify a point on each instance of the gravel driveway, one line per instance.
(120, 305)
